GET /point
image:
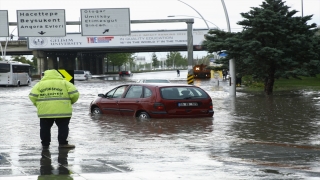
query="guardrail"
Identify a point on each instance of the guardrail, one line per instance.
(106, 77)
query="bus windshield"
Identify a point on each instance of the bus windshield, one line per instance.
(20, 68)
(4, 68)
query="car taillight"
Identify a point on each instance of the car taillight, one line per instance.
(127, 72)
(158, 106)
(210, 105)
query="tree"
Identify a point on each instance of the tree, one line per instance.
(205, 59)
(175, 58)
(155, 61)
(21, 59)
(119, 59)
(273, 44)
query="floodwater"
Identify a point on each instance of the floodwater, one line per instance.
(251, 136)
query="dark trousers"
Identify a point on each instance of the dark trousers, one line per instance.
(45, 130)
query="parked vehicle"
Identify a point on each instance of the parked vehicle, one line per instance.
(80, 75)
(125, 73)
(89, 75)
(201, 71)
(13, 73)
(143, 100)
(154, 81)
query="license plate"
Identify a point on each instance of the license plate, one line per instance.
(187, 104)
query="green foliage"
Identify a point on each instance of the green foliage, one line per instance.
(298, 83)
(273, 44)
(251, 82)
(155, 61)
(119, 59)
(175, 58)
(34, 61)
(21, 59)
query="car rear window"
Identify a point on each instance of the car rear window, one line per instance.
(78, 72)
(182, 93)
(156, 81)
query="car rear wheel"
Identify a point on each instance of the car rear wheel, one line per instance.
(143, 115)
(96, 110)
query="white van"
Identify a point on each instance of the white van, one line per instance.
(89, 74)
(80, 75)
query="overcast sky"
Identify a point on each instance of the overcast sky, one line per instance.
(211, 10)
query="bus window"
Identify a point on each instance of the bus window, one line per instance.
(20, 69)
(4, 68)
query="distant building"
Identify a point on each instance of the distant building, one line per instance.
(140, 60)
(162, 64)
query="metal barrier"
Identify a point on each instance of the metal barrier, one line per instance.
(106, 77)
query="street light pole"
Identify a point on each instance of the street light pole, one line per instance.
(226, 14)
(5, 47)
(302, 8)
(194, 17)
(174, 57)
(198, 13)
(232, 64)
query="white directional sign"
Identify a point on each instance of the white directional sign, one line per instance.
(105, 22)
(4, 24)
(41, 23)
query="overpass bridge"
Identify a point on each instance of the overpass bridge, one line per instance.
(138, 41)
(87, 52)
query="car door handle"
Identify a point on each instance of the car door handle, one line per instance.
(137, 101)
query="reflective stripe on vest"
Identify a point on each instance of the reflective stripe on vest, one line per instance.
(55, 115)
(53, 99)
(35, 95)
(72, 92)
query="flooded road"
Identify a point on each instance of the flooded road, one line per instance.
(252, 136)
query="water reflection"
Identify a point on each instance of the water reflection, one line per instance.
(48, 171)
(287, 117)
(154, 126)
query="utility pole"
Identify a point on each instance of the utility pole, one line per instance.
(232, 63)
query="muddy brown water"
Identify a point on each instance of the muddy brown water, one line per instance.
(251, 136)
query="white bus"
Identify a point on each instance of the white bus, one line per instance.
(13, 73)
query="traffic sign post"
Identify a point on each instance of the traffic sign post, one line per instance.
(105, 22)
(4, 23)
(41, 23)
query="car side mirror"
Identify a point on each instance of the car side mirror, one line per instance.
(101, 95)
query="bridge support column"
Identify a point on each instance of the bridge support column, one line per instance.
(51, 62)
(67, 62)
(103, 65)
(41, 61)
(41, 65)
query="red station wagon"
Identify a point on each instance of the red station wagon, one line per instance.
(165, 100)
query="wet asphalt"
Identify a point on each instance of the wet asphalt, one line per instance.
(252, 136)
